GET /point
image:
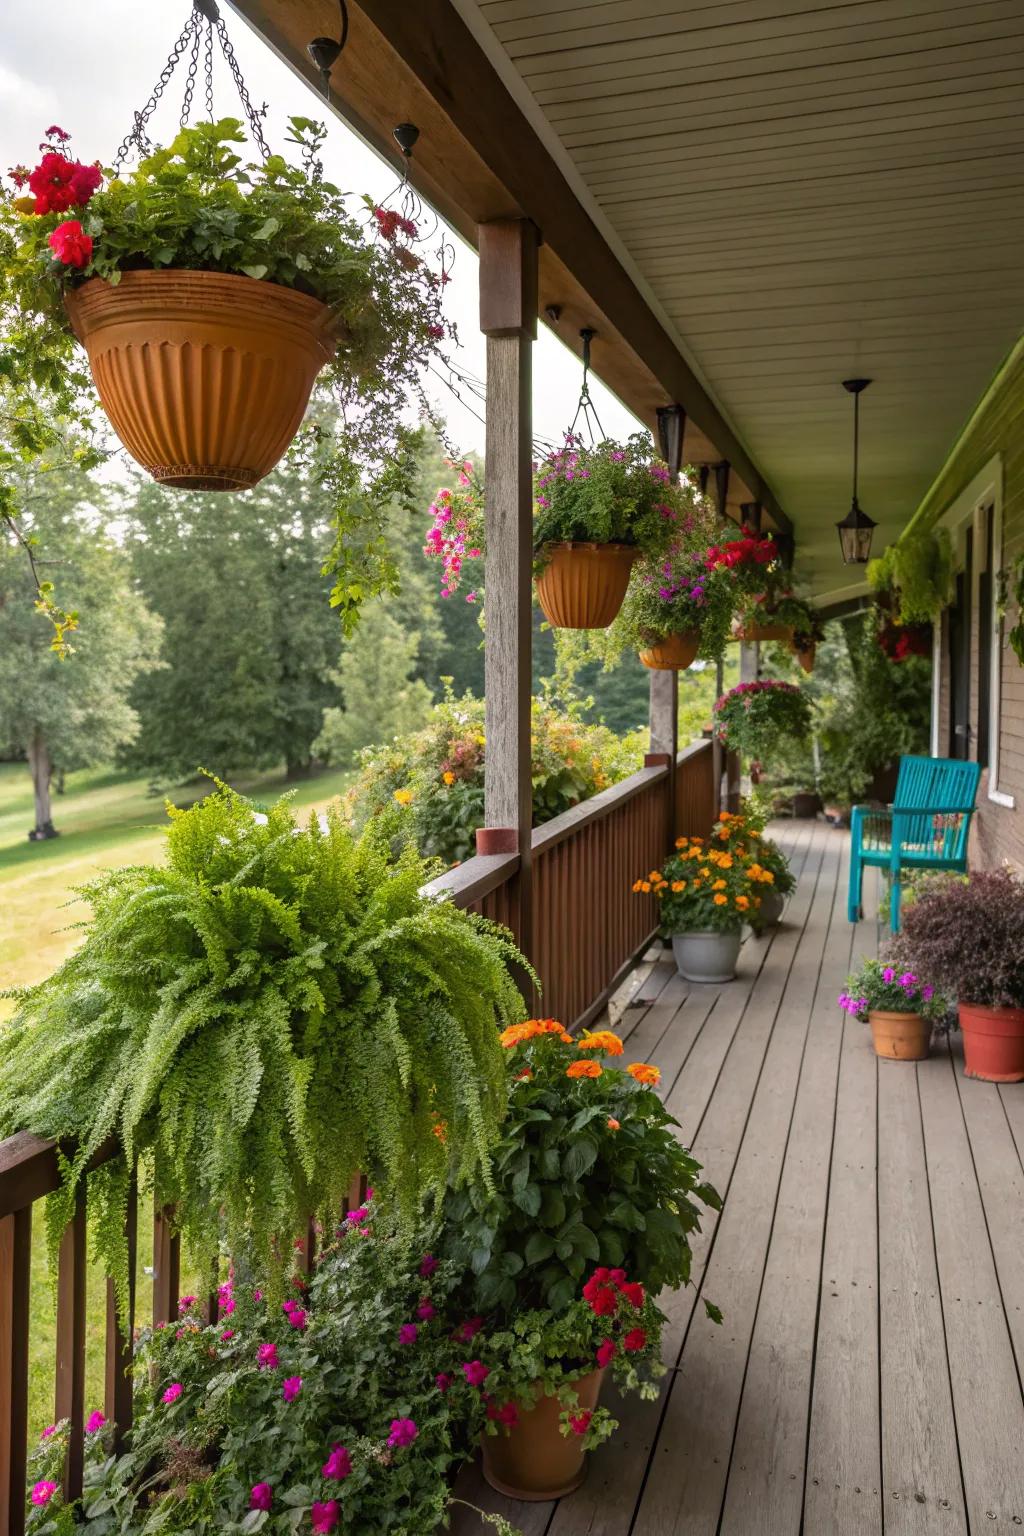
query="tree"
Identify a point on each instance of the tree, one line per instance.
(380, 695)
(74, 712)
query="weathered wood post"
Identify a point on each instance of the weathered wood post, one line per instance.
(508, 318)
(664, 686)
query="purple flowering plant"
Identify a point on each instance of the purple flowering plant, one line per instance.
(887, 985)
(677, 594)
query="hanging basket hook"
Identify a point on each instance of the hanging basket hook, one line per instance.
(326, 51)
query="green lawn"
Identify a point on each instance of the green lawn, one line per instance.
(106, 819)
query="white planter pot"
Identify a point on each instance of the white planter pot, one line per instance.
(706, 956)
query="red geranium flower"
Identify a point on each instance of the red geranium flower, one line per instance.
(70, 244)
(635, 1340)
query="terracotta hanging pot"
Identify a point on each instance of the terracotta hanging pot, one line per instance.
(993, 1042)
(674, 653)
(752, 632)
(805, 655)
(900, 1036)
(534, 1460)
(205, 376)
(582, 585)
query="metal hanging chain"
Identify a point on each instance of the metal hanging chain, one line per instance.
(204, 21)
(586, 407)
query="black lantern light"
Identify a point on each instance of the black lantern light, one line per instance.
(856, 528)
(671, 426)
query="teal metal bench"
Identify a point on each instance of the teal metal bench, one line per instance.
(926, 827)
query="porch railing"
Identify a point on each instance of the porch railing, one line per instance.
(587, 927)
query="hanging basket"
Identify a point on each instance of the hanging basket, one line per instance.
(753, 632)
(582, 586)
(205, 376)
(805, 655)
(674, 653)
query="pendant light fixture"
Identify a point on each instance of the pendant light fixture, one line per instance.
(856, 528)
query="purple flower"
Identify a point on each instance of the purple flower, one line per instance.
(95, 1422)
(324, 1517)
(48, 1431)
(173, 1392)
(408, 1333)
(356, 1218)
(297, 1319)
(442, 1381)
(261, 1496)
(927, 993)
(425, 1311)
(338, 1465)
(403, 1432)
(43, 1492)
(888, 974)
(266, 1357)
(185, 1303)
(290, 1388)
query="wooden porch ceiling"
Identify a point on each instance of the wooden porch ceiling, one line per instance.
(751, 200)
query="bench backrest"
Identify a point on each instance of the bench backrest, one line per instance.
(937, 786)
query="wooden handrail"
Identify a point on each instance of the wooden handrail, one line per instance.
(474, 879)
(573, 821)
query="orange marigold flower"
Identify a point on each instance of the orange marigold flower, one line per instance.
(601, 1040)
(705, 871)
(719, 885)
(720, 900)
(638, 885)
(516, 1034)
(644, 1073)
(645, 886)
(682, 842)
(448, 776)
(584, 1069)
(743, 902)
(613, 1124)
(441, 1131)
(678, 885)
(654, 876)
(725, 861)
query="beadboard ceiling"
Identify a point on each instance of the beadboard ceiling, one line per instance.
(806, 191)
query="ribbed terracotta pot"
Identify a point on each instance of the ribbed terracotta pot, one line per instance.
(762, 632)
(535, 1461)
(582, 585)
(993, 1042)
(205, 376)
(900, 1036)
(805, 656)
(674, 653)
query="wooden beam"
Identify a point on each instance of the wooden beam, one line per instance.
(480, 159)
(508, 318)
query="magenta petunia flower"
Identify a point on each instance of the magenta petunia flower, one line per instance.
(324, 1517)
(442, 1381)
(261, 1497)
(291, 1387)
(408, 1333)
(428, 1264)
(95, 1422)
(228, 1333)
(338, 1465)
(173, 1392)
(403, 1432)
(266, 1357)
(425, 1311)
(297, 1319)
(50, 1429)
(43, 1492)
(475, 1372)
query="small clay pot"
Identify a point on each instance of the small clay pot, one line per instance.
(805, 656)
(993, 1042)
(582, 586)
(762, 632)
(900, 1036)
(534, 1461)
(205, 376)
(674, 653)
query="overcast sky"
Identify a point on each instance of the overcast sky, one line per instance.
(87, 65)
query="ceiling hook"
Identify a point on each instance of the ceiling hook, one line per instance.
(325, 51)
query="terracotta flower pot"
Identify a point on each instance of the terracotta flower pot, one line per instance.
(763, 632)
(674, 653)
(993, 1042)
(205, 376)
(805, 655)
(535, 1461)
(900, 1036)
(582, 585)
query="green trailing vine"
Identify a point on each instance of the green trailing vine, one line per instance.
(275, 1009)
(1015, 580)
(919, 570)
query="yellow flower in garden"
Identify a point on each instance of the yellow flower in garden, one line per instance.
(584, 1069)
(601, 1040)
(719, 885)
(725, 861)
(720, 900)
(448, 776)
(678, 885)
(644, 1073)
(403, 796)
(705, 871)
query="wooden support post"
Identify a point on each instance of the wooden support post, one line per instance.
(69, 1398)
(508, 318)
(722, 488)
(15, 1266)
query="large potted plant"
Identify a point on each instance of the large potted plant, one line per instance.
(591, 1212)
(706, 891)
(753, 717)
(209, 293)
(596, 510)
(273, 1010)
(900, 1008)
(967, 938)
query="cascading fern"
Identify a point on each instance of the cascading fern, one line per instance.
(276, 1009)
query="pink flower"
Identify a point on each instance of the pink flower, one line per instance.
(266, 1357)
(95, 1422)
(475, 1372)
(469, 1329)
(184, 1304)
(324, 1516)
(425, 1311)
(51, 1429)
(635, 1340)
(338, 1465)
(408, 1333)
(435, 332)
(43, 1492)
(579, 1423)
(356, 1218)
(507, 1414)
(605, 1352)
(228, 1333)
(442, 1381)
(291, 1388)
(297, 1319)
(403, 1432)
(173, 1392)
(261, 1497)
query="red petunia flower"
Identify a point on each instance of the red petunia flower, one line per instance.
(70, 244)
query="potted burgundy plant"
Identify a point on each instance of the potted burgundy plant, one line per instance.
(968, 939)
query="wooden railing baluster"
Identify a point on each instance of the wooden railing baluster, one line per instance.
(166, 1268)
(120, 1346)
(69, 1394)
(15, 1274)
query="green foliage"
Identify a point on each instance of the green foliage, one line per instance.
(430, 783)
(380, 696)
(717, 884)
(919, 569)
(1016, 634)
(675, 596)
(270, 1012)
(753, 718)
(588, 1171)
(198, 205)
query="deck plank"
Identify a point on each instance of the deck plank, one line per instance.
(986, 1388)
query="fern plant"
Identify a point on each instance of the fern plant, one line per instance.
(919, 569)
(274, 1010)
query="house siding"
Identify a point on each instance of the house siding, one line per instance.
(997, 428)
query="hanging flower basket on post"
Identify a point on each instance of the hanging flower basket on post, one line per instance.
(582, 585)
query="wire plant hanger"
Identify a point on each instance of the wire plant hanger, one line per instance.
(196, 39)
(586, 409)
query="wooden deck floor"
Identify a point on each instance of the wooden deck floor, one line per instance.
(869, 1262)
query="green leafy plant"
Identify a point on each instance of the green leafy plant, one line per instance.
(198, 205)
(752, 717)
(430, 783)
(919, 571)
(1016, 634)
(587, 1172)
(274, 1010)
(350, 1411)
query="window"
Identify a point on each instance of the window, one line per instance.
(986, 598)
